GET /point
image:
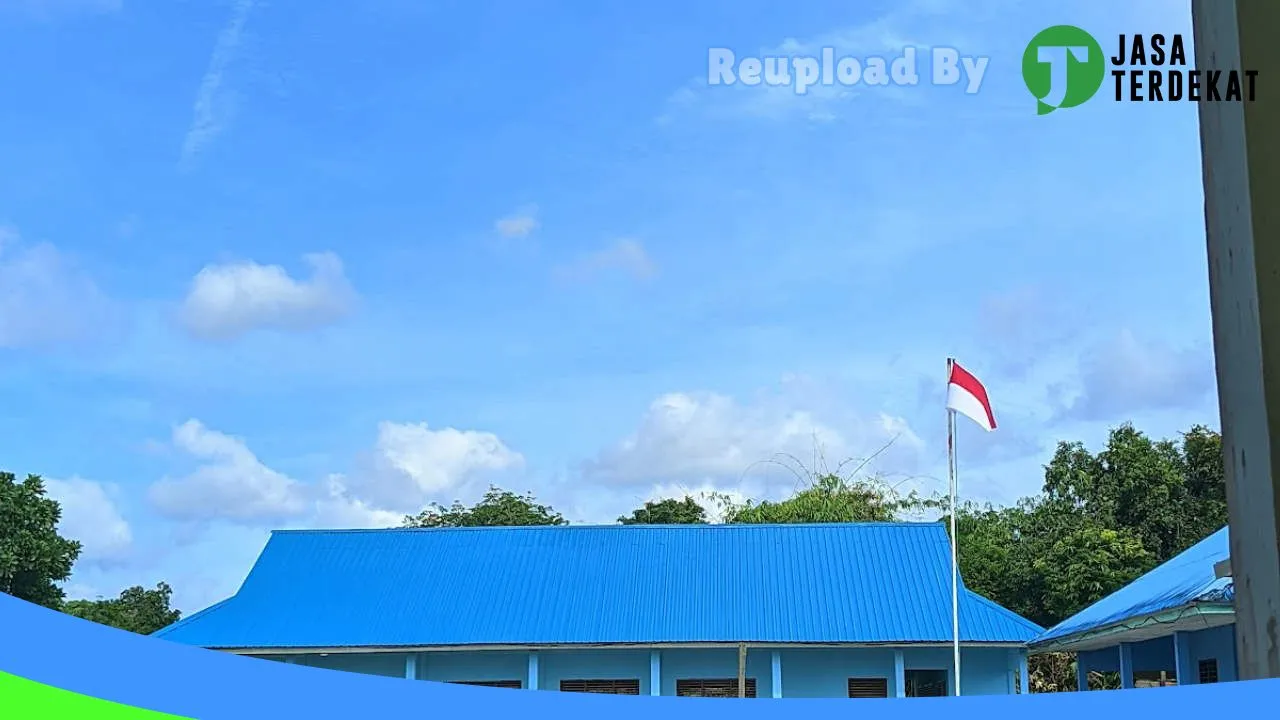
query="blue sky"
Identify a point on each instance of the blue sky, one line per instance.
(281, 266)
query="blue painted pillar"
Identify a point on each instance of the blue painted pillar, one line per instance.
(655, 672)
(532, 684)
(775, 662)
(899, 674)
(1012, 672)
(1182, 659)
(1024, 674)
(1126, 666)
(1082, 674)
(291, 659)
(411, 666)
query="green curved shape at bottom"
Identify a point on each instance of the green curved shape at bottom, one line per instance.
(23, 699)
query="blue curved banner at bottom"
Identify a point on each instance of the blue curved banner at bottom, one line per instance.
(51, 663)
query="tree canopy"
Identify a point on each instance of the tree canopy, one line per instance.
(34, 558)
(498, 507)
(831, 498)
(137, 610)
(685, 511)
(1101, 520)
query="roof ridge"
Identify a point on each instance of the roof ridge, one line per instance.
(609, 526)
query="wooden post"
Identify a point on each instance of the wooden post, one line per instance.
(742, 670)
(1240, 160)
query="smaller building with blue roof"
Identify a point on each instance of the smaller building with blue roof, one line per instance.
(1177, 621)
(830, 610)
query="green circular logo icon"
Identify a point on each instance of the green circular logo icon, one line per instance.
(1063, 67)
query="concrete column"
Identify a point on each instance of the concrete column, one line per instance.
(1240, 160)
(1082, 674)
(411, 666)
(1024, 674)
(655, 672)
(1011, 673)
(1126, 666)
(775, 662)
(1182, 659)
(532, 682)
(899, 674)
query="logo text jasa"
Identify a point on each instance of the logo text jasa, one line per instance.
(1137, 82)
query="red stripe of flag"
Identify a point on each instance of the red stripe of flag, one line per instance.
(966, 381)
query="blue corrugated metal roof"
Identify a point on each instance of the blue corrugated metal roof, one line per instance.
(848, 583)
(1187, 578)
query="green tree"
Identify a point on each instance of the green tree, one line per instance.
(1205, 511)
(498, 507)
(993, 554)
(1160, 497)
(34, 558)
(830, 499)
(1168, 494)
(137, 610)
(670, 511)
(1087, 565)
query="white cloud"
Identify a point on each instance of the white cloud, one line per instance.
(410, 465)
(413, 464)
(706, 440)
(1126, 375)
(210, 111)
(337, 508)
(625, 255)
(231, 483)
(45, 299)
(519, 225)
(686, 444)
(226, 301)
(90, 515)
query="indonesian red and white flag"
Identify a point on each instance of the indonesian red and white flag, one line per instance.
(967, 396)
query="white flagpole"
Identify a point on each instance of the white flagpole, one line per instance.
(955, 540)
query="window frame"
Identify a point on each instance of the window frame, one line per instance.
(882, 686)
(944, 674)
(502, 684)
(703, 684)
(1208, 667)
(614, 686)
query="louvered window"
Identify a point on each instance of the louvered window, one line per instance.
(926, 683)
(509, 684)
(604, 687)
(1208, 671)
(718, 687)
(868, 687)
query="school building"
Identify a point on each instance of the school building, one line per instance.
(853, 610)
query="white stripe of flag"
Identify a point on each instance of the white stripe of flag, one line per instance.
(967, 396)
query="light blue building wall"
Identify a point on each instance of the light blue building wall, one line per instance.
(1212, 651)
(800, 672)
